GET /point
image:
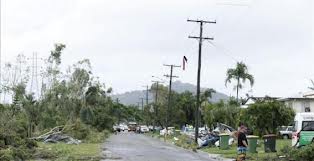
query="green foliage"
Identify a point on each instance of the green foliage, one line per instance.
(87, 115)
(102, 119)
(96, 136)
(75, 99)
(185, 142)
(78, 130)
(227, 113)
(265, 116)
(304, 153)
(56, 53)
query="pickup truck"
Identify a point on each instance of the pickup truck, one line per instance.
(286, 132)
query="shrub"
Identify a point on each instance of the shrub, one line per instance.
(30, 144)
(304, 153)
(79, 130)
(97, 137)
(6, 155)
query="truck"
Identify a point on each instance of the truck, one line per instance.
(303, 131)
(132, 126)
(286, 132)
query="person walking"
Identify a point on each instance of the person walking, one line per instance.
(242, 143)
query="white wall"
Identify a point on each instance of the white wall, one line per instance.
(298, 105)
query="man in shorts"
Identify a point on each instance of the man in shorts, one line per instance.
(242, 143)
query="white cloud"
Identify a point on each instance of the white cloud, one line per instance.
(128, 41)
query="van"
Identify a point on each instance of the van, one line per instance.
(303, 131)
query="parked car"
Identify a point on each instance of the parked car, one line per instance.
(132, 126)
(144, 129)
(151, 128)
(123, 127)
(286, 132)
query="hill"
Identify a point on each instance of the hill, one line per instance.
(132, 97)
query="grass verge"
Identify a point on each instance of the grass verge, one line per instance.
(184, 142)
(260, 155)
(90, 149)
(62, 151)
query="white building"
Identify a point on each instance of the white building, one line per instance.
(302, 102)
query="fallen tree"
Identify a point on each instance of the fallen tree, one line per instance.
(56, 135)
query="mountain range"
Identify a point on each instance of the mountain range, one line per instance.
(133, 97)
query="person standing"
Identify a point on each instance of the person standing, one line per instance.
(242, 143)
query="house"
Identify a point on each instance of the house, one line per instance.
(301, 102)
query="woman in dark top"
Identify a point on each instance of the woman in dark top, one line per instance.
(242, 143)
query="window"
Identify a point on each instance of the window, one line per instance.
(307, 107)
(308, 126)
(290, 129)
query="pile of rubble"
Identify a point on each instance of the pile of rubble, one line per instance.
(56, 135)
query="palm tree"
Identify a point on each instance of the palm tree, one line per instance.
(207, 94)
(240, 74)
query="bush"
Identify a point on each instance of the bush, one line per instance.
(6, 155)
(30, 144)
(304, 153)
(97, 137)
(79, 130)
(186, 142)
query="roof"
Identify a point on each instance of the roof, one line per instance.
(252, 100)
(300, 96)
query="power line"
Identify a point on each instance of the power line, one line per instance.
(170, 85)
(223, 50)
(200, 38)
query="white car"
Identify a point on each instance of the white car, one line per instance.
(144, 129)
(123, 127)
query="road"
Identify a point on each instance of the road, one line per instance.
(138, 147)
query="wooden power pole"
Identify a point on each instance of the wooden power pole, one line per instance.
(200, 38)
(169, 94)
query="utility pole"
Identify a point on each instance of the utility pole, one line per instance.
(156, 102)
(146, 94)
(119, 111)
(170, 85)
(142, 103)
(200, 38)
(156, 94)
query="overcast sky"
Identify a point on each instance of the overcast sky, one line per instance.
(129, 41)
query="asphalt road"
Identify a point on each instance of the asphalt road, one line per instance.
(138, 147)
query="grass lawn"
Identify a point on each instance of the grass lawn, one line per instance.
(61, 151)
(232, 152)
